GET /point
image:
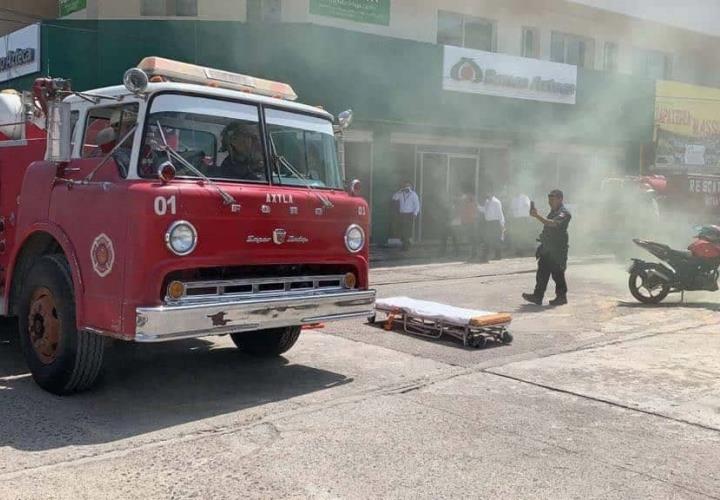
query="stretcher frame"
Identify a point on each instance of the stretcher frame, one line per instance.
(471, 336)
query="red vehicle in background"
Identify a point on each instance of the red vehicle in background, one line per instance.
(188, 202)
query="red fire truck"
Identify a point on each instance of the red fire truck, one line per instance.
(188, 202)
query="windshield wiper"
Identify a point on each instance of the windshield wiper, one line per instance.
(285, 163)
(227, 197)
(110, 154)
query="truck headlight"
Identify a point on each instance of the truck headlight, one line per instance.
(354, 238)
(181, 238)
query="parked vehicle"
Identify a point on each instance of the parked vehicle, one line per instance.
(124, 214)
(693, 270)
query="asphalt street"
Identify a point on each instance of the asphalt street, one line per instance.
(602, 398)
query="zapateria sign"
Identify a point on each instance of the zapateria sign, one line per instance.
(479, 72)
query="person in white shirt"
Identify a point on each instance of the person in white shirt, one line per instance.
(408, 205)
(494, 228)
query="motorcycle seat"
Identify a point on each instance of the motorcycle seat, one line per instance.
(683, 254)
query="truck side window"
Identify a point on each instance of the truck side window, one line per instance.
(106, 126)
(74, 117)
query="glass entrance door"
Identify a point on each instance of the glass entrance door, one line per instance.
(443, 178)
(434, 178)
(463, 175)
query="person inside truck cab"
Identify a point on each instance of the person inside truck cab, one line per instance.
(120, 124)
(244, 161)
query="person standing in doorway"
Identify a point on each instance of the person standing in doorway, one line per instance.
(494, 227)
(552, 253)
(408, 203)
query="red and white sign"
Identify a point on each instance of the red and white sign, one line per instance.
(479, 72)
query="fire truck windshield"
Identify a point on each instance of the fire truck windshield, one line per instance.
(220, 139)
(223, 141)
(307, 145)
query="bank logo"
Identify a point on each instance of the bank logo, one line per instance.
(466, 70)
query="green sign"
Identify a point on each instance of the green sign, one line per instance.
(70, 6)
(361, 11)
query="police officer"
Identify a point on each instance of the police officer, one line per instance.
(553, 251)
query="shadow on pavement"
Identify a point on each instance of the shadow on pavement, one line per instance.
(711, 306)
(532, 308)
(146, 388)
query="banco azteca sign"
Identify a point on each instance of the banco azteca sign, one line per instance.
(479, 72)
(16, 58)
(20, 53)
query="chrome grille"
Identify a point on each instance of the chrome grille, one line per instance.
(198, 291)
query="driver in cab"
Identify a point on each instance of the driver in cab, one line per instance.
(244, 161)
(120, 123)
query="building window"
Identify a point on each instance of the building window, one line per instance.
(530, 42)
(572, 49)
(610, 56)
(652, 64)
(465, 31)
(153, 8)
(163, 8)
(269, 11)
(186, 8)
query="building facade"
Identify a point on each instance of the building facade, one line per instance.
(455, 96)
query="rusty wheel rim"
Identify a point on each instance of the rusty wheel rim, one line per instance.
(44, 325)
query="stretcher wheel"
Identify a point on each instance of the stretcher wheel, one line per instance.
(372, 319)
(506, 337)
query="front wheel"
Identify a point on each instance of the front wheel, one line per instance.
(62, 359)
(646, 289)
(267, 343)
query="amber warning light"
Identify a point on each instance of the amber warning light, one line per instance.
(158, 68)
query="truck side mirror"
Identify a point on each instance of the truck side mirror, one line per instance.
(59, 128)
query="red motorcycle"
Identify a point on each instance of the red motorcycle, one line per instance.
(693, 270)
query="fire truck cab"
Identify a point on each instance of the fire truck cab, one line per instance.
(188, 202)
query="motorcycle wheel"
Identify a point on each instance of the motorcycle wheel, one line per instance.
(643, 293)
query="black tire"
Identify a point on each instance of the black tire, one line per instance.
(72, 361)
(267, 343)
(506, 337)
(372, 319)
(650, 298)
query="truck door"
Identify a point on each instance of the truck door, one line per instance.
(94, 215)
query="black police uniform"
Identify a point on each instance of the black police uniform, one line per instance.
(552, 253)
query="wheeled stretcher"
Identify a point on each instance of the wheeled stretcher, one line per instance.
(431, 319)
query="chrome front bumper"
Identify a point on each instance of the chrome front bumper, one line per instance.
(172, 322)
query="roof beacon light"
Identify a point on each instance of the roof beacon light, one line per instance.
(177, 71)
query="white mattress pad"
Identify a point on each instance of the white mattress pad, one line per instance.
(436, 311)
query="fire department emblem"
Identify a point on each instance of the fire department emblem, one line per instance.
(102, 254)
(279, 236)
